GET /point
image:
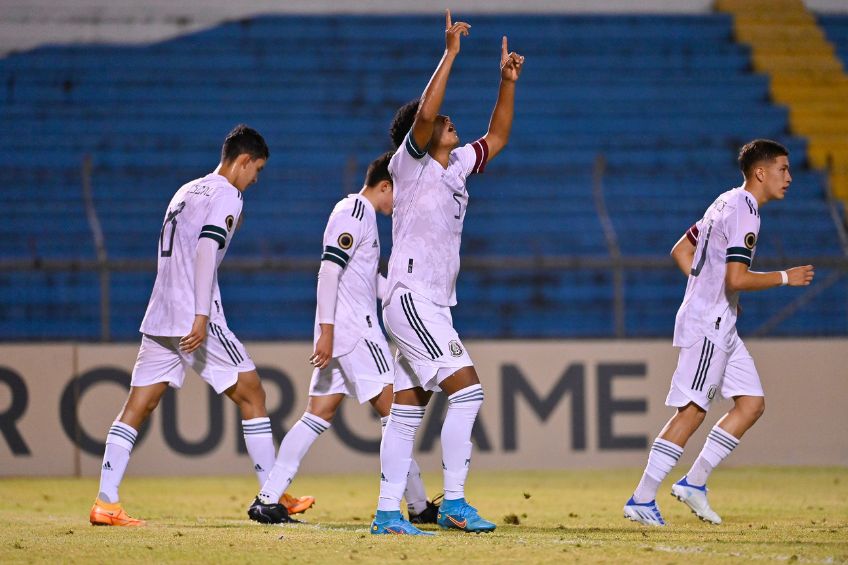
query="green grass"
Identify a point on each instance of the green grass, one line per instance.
(795, 515)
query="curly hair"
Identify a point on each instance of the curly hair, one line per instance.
(402, 122)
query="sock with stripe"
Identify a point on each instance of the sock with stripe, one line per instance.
(415, 493)
(463, 406)
(719, 445)
(661, 460)
(260, 446)
(119, 445)
(293, 448)
(396, 454)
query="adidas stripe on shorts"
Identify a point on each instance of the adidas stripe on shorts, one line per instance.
(704, 371)
(218, 361)
(362, 373)
(429, 349)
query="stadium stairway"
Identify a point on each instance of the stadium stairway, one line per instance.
(806, 74)
(667, 100)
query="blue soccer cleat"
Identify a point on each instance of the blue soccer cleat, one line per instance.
(647, 513)
(459, 515)
(393, 522)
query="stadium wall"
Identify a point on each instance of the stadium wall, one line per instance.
(554, 404)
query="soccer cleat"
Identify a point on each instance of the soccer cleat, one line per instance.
(269, 513)
(647, 513)
(459, 515)
(695, 498)
(111, 514)
(392, 522)
(296, 505)
(429, 514)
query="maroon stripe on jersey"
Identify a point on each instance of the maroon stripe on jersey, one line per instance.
(692, 234)
(481, 150)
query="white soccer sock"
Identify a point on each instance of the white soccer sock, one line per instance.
(415, 493)
(260, 446)
(463, 407)
(661, 461)
(396, 453)
(719, 445)
(293, 448)
(119, 445)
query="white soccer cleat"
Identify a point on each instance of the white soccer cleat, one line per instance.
(647, 513)
(695, 498)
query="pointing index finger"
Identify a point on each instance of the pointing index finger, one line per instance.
(504, 50)
(447, 19)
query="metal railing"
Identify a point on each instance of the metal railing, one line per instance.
(614, 263)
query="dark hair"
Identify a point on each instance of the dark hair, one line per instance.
(402, 122)
(378, 170)
(243, 139)
(759, 150)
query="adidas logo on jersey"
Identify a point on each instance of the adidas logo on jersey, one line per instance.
(258, 467)
(374, 245)
(107, 466)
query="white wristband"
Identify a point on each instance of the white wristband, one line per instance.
(784, 278)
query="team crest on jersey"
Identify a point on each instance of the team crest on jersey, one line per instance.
(455, 348)
(230, 221)
(711, 392)
(345, 241)
(750, 240)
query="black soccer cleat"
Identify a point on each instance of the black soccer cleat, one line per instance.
(270, 513)
(429, 514)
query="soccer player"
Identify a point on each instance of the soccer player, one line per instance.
(716, 254)
(351, 356)
(429, 170)
(184, 310)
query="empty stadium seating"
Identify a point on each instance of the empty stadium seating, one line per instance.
(666, 100)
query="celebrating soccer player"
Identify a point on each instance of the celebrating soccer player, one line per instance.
(351, 356)
(429, 170)
(184, 325)
(716, 254)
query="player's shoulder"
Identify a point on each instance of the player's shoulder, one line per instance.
(742, 201)
(352, 207)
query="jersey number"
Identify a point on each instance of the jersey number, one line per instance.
(457, 197)
(170, 225)
(697, 270)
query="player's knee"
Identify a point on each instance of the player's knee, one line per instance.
(755, 408)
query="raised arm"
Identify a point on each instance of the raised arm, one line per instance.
(434, 93)
(739, 278)
(501, 123)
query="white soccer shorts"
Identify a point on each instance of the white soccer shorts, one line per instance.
(362, 373)
(218, 361)
(429, 349)
(703, 370)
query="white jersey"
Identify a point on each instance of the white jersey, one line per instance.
(351, 241)
(429, 209)
(206, 207)
(727, 233)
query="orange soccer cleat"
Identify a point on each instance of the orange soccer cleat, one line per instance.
(296, 505)
(111, 514)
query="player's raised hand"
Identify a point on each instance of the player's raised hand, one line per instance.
(801, 276)
(453, 31)
(511, 63)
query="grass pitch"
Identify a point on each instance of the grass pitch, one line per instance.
(795, 515)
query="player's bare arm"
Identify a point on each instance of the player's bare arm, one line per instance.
(739, 278)
(323, 347)
(500, 124)
(434, 93)
(683, 254)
